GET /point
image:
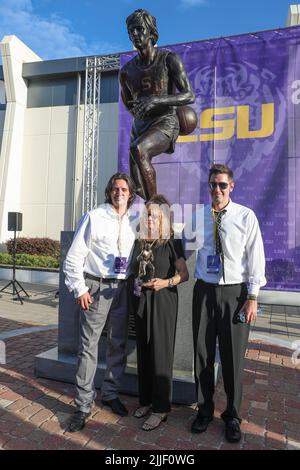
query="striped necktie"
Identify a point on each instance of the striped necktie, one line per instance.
(219, 249)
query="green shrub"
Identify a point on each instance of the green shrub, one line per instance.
(33, 261)
(35, 246)
(5, 258)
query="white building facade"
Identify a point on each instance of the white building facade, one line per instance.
(42, 123)
(42, 137)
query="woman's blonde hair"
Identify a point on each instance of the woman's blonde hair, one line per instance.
(165, 227)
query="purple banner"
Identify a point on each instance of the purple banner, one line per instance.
(248, 101)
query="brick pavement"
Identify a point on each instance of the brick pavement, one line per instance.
(34, 412)
(9, 325)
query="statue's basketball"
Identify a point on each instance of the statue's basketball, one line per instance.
(187, 119)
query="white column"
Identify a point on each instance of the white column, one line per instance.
(293, 15)
(14, 53)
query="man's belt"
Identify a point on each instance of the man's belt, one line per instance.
(104, 280)
(210, 284)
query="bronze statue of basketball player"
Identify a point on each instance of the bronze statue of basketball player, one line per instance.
(148, 87)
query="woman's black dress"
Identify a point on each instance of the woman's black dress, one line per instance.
(156, 316)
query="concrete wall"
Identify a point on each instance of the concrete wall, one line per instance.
(48, 173)
(46, 181)
(31, 275)
(14, 54)
(108, 155)
(2, 117)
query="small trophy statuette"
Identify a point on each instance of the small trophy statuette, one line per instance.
(146, 267)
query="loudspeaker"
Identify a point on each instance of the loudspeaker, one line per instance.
(14, 221)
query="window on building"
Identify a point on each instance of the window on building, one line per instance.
(109, 88)
(51, 92)
(62, 91)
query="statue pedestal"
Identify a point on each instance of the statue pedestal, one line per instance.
(61, 363)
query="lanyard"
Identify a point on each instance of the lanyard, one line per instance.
(119, 242)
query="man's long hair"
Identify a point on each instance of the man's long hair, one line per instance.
(144, 16)
(130, 183)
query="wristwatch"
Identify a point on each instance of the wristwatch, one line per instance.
(251, 297)
(171, 282)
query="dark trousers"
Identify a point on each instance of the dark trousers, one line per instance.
(215, 310)
(155, 354)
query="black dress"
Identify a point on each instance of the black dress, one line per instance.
(156, 316)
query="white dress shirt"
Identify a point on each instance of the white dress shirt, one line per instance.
(101, 236)
(244, 259)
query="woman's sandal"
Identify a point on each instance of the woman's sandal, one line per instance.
(141, 412)
(154, 420)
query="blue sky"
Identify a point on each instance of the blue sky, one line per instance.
(69, 28)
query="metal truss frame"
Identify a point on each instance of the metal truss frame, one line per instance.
(94, 67)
